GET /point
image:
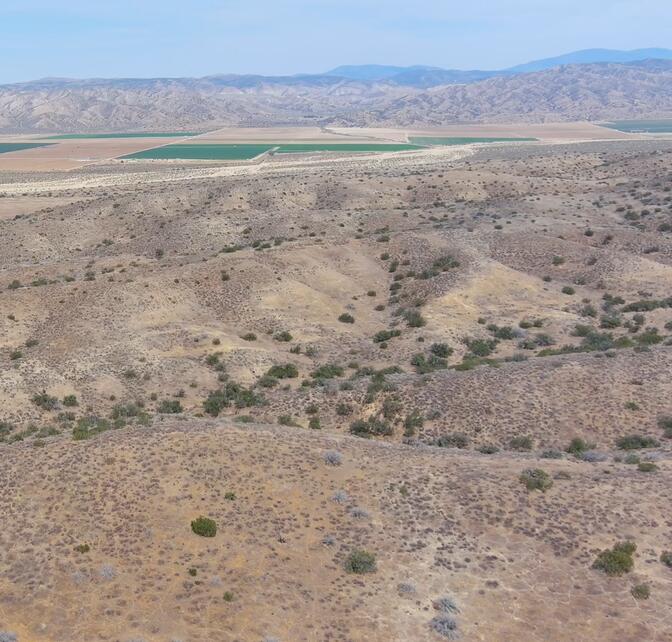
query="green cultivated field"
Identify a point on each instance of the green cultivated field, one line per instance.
(202, 152)
(459, 140)
(642, 126)
(17, 147)
(213, 151)
(132, 135)
(302, 148)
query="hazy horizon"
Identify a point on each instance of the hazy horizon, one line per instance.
(72, 39)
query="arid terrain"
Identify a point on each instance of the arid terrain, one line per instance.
(422, 394)
(636, 89)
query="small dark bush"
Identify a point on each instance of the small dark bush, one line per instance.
(617, 560)
(520, 443)
(536, 479)
(453, 440)
(641, 592)
(360, 562)
(636, 442)
(346, 318)
(204, 526)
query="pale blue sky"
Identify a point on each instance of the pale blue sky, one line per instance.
(90, 38)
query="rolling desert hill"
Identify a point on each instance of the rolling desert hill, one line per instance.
(422, 395)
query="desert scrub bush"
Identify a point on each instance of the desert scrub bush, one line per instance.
(647, 467)
(267, 382)
(287, 371)
(578, 446)
(445, 626)
(44, 401)
(15, 355)
(371, 427)
(170, 407)
(287, 420)
(666, 558)
(204, 526)
(425, 365)
(346, 318)
(88, 427)
(333, 458)
(412, 421)
(283, 336)
(488, 449)
(414, 319)
(446, 605)
(665, 423)
(314, 423)
(616, 560)
(536, 479)
(641, 591)
(70, 401)
(249, 336)
(327, 371)
(82, 548)
(231, 394)
(558, 260)
(442, 350)
(567, 289)
(14, 285)
(481, 347)
(385, 335)
(452, 440)
(520, 443)
(360, 561)
(636, 442)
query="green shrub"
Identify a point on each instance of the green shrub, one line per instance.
(536, 479)
(250, 336)
(44, 401)
(578, 446)
(481, 347)
(520, 443)
(283, 336)
(647, 467)
(666, 558)
(346, 318)
(287, 371)
(641, 592)
(372, 427)
(327, 371)
(204, 526)
(452, 440)
(314, 423)
(385, 335)
(360, 562)
(70, 401)
(442, 350)
(617, 560)
(636, 442)
(414, 319)
(231, 394)
(568, 290)
(170, 407)
(82, 548)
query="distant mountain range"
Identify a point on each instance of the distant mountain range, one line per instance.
(586, 85)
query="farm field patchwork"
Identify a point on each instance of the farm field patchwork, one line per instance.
(6, 148)
(202, 152)
(345, 147)
(663, 126)
(464, 140)
(248, 151)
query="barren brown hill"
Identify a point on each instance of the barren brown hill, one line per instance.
(576, 92)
